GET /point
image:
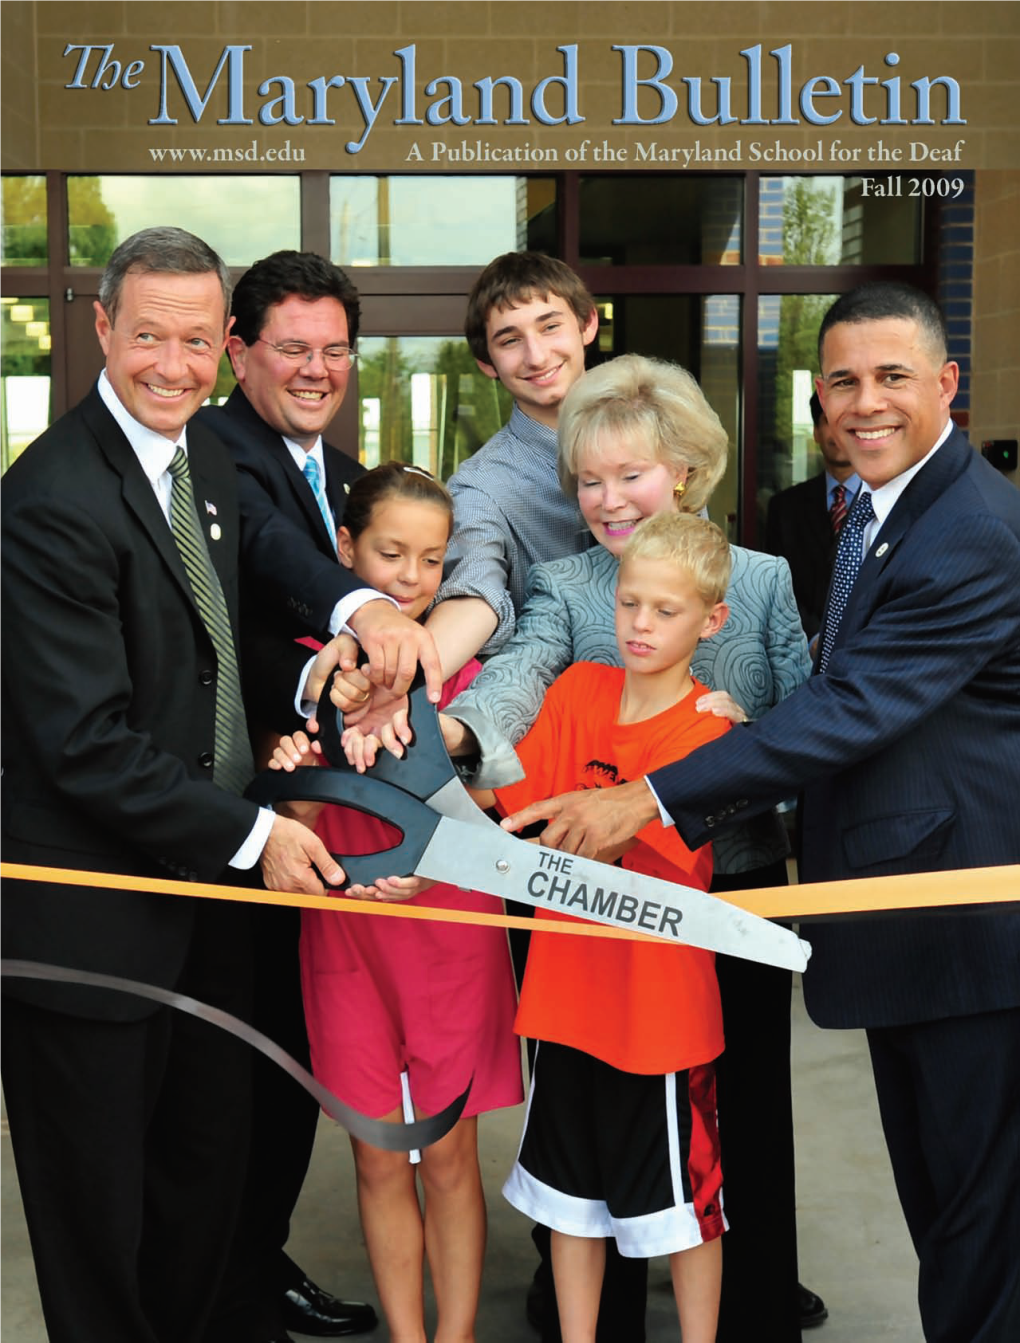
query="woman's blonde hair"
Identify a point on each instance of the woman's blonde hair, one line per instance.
(696, 546)
(646, 400)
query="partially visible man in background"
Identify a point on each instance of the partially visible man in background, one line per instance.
(805, 520)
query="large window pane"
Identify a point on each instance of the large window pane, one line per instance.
(829, 221)
(787, 363)
(241, 218)
(702, 333)
(668, 220)
(24, 374)
(438, 221)
(423, 400)
(24, 222)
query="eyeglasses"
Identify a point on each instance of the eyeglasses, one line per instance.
(338, 357)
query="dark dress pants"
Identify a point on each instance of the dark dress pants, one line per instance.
(284, 1120)
(753, 1092)
(949, 1097)
(130, 1141)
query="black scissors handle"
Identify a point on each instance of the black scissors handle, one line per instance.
(416, 822)
(425, 765)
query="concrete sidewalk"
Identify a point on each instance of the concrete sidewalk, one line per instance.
(854, 1248)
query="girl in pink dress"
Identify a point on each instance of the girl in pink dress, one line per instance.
(408, 1011)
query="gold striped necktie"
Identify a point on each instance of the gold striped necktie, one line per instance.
(232, 766)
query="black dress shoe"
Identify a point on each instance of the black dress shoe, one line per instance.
(307, 1309)
(813, 1310)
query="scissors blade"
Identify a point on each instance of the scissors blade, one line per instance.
(497, 863)
(454, 801)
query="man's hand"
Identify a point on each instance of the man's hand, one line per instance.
(394, 646)
(291, 856)
(590, 822)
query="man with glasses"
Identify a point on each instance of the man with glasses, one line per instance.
(291, 347)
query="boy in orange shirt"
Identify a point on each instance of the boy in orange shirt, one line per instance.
(621, 1137)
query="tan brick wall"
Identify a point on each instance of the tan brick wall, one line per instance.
(47, 125)
(995, 387)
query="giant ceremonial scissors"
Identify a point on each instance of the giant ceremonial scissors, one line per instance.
(446, 837)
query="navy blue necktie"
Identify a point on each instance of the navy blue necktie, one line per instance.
(844, 573)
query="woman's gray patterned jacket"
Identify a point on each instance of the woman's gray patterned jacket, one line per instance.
(759, 656)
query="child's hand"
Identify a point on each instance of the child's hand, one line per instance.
(372, 710)
(361, 746)
(720, 704)
(390, 889)
(289, 754)
(292, 752)
(340, 652)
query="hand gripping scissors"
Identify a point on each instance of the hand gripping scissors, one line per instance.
(446, 837)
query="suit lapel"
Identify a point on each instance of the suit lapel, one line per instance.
(255, 426)
(928, 486)
(139, 495)
(213, 482)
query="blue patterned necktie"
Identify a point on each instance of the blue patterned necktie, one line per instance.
(844, 573)
(232, 762)
(313, 475)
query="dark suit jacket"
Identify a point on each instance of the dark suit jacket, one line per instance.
(109, 698)
(798, 529)
(910, 743)
(270, 484)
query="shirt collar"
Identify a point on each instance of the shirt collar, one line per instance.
(885, 497)
(300, 454)
(154, 451)
(851, 485)
(530, 432)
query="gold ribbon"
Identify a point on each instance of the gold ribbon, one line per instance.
(995, 888)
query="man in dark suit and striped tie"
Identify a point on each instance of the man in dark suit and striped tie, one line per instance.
(907, 744)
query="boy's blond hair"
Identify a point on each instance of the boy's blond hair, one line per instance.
(696, 546)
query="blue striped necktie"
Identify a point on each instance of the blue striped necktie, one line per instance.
(232, 763)
(313, 475)
(844, 572)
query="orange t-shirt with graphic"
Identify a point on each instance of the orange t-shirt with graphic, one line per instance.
(640, 1007)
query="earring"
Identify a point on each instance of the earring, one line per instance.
(679, 490)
